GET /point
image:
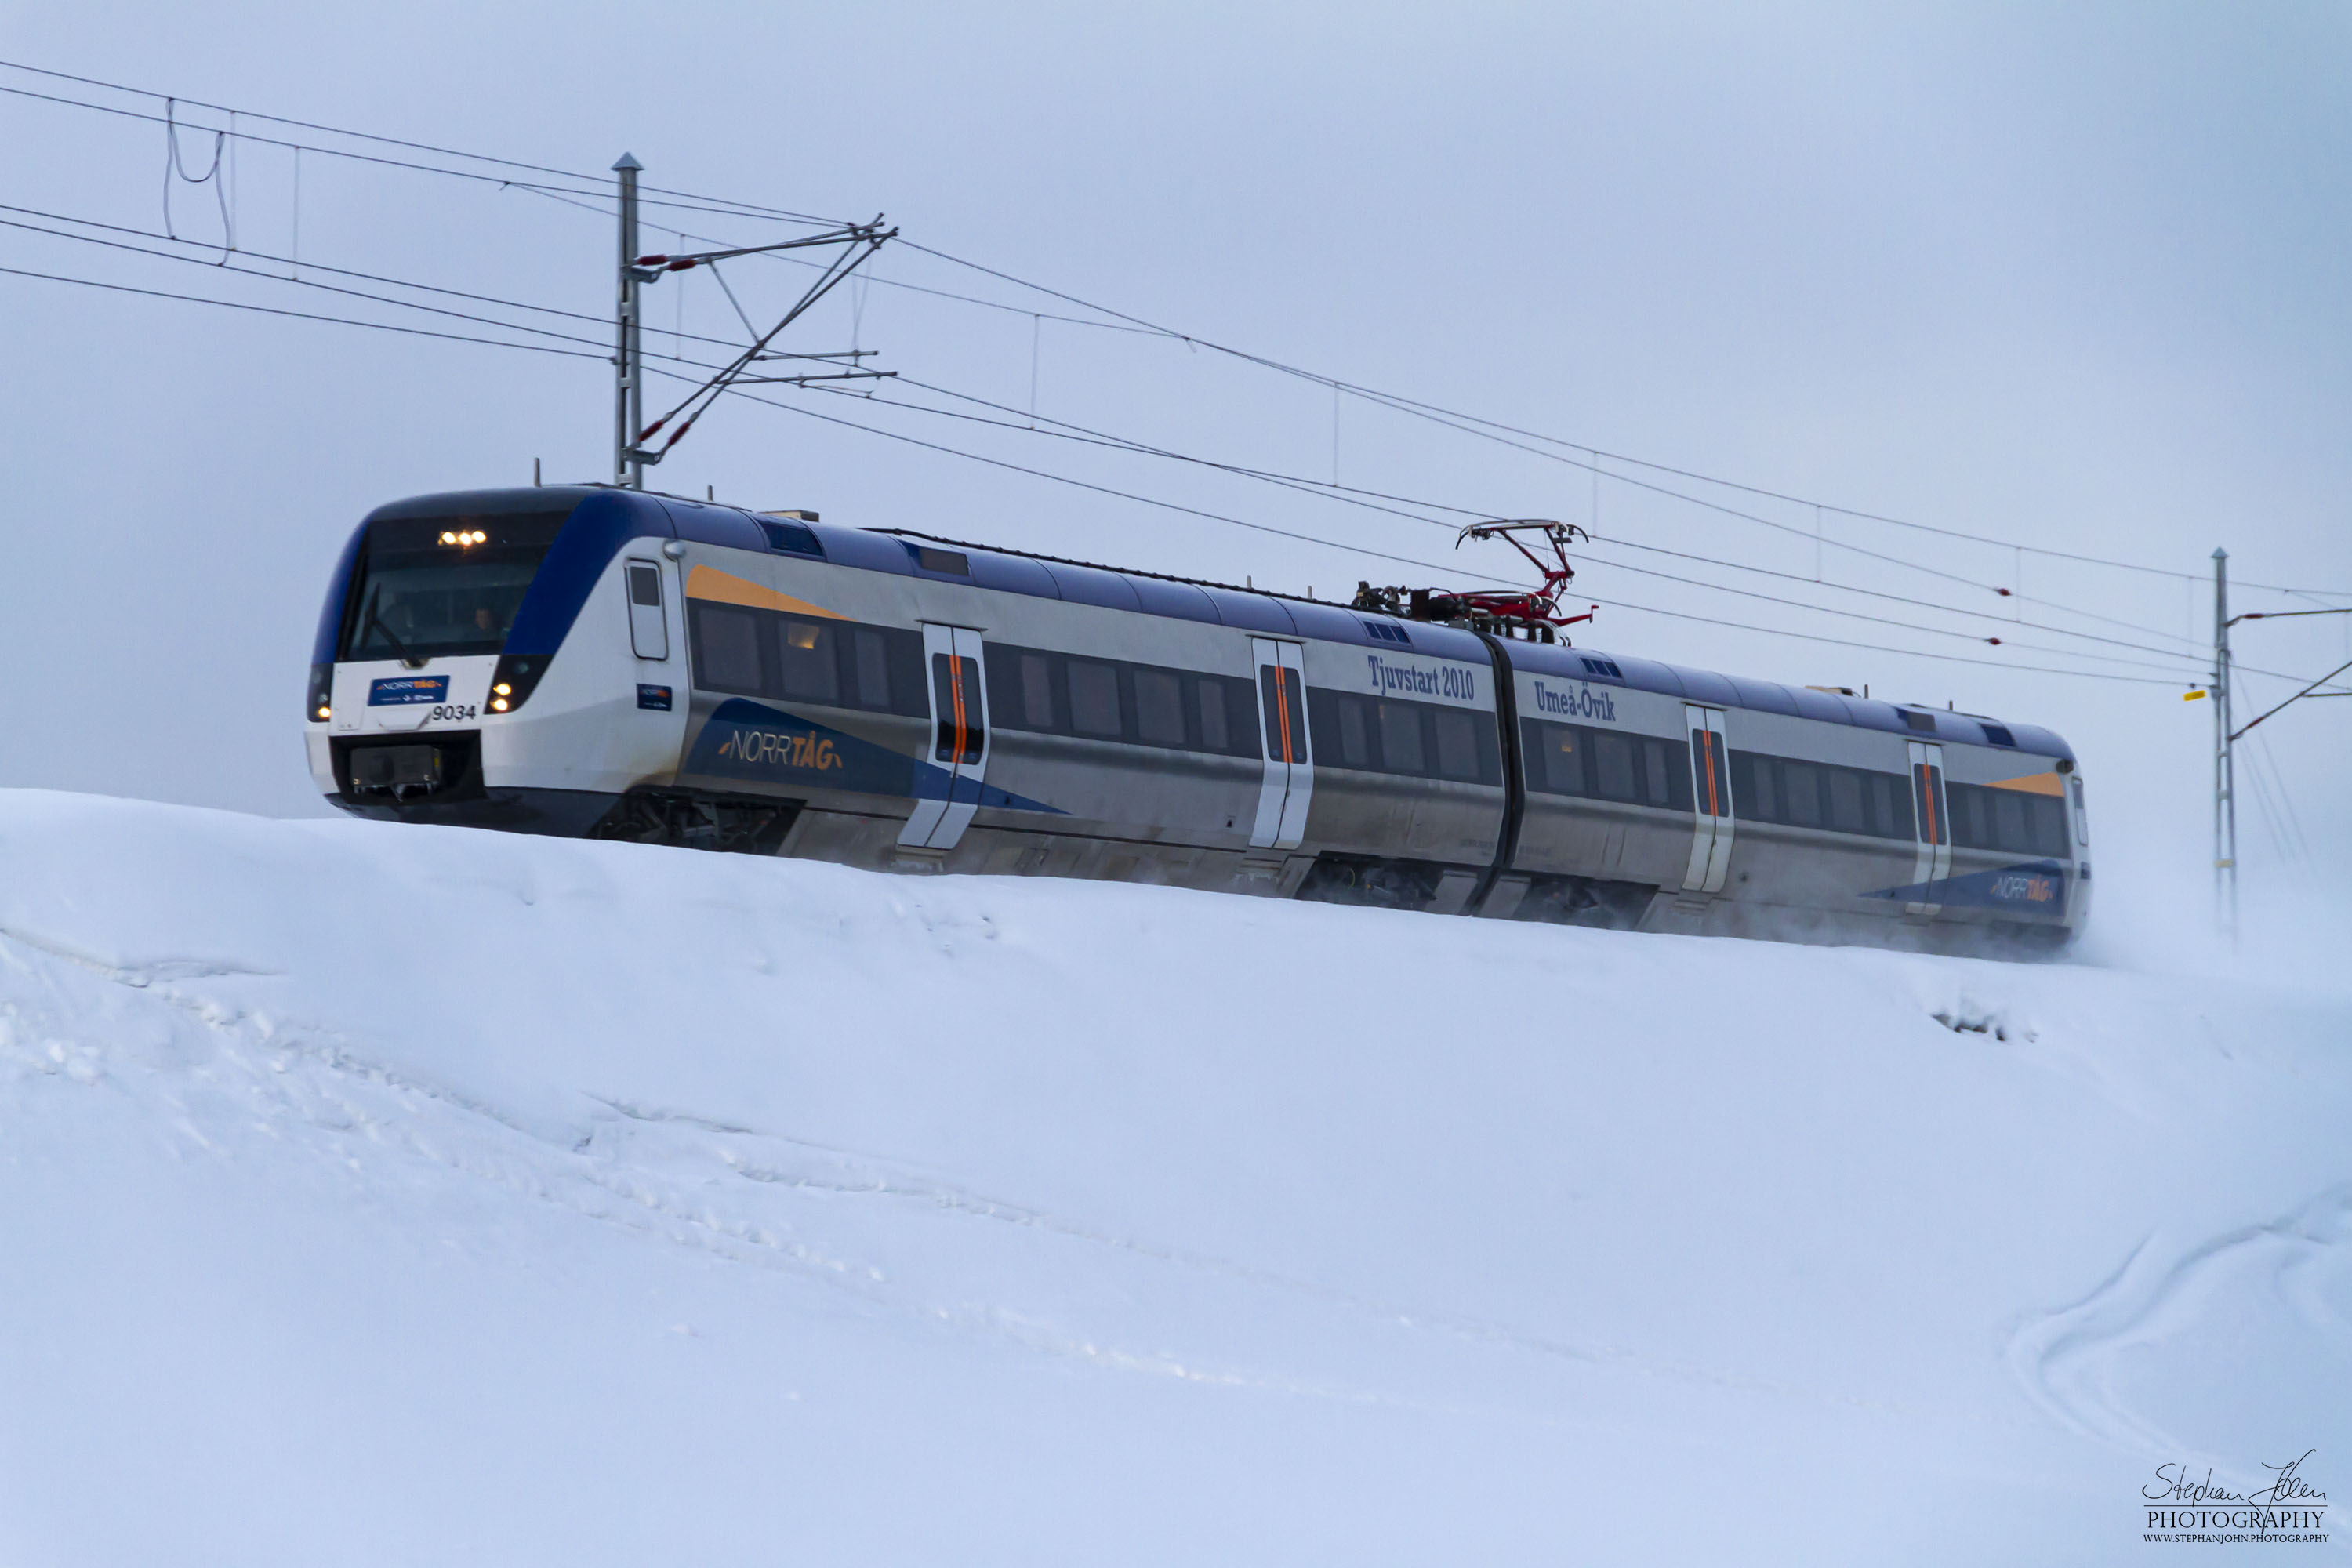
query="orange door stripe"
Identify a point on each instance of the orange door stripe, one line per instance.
(955, 689)
(1282, 708)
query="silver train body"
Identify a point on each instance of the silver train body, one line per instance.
(592, 661)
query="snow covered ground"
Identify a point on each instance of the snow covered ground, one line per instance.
(373, 1195)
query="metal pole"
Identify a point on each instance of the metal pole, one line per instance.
(628, 388)
(2225, 779)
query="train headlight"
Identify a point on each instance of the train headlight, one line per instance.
(320, 706)
(512, 681)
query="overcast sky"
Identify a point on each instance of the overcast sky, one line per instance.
(2065, 278)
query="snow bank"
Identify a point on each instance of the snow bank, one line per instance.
(383, 1195)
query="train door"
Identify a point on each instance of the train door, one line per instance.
(1935, 862)
(648, 621)
(1289, 766)
(959, 736)
(1710, 856)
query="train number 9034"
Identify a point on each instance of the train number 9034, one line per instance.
(453, 711)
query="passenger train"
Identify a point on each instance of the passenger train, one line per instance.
(616, 664)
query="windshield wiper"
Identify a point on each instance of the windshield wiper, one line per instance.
(398, 646)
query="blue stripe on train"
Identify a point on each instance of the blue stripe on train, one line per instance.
(2031, 886)
(755, 742)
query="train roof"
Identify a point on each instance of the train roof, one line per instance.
(1246, 608)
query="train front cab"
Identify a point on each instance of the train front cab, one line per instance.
(435, 692)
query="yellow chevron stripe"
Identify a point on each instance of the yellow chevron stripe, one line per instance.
(2032, 783)
(726, 588)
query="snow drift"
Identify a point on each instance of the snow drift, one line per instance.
(382, 1194)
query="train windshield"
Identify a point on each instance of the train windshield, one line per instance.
(428, 588)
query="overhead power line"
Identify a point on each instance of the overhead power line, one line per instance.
(300, 315)
(1494, 429)
(1124, 322)
(1349, 547)
(1471, 423)
(1411, 561)
(1068, 431)
(314, 267)
(1475, 425)
(685, 200)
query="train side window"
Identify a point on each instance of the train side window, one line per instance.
(1681, 778)
(1401, 749)
(1159, 707)
(1845, 802)
(907, 695)
(870, 659)
(1037, 691)
(1457, 747)
(1804, 783)
(1216, 732)
(1093, 699)
(1969, 828)
(1564, 759)
(1653, 770)
(727, 649)
(1613, 766)
(811, 672)
(2049, 819)
(2009, 821)
(1769, 798)
(1884, 820)
(2082, 817)
(1355, 749)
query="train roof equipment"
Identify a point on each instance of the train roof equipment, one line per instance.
(1531, 614)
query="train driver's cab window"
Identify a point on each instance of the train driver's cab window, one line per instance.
(435, 586)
